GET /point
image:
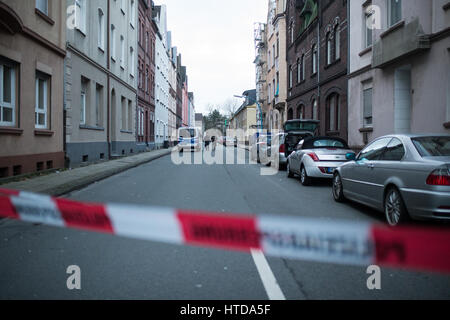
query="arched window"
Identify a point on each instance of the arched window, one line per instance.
(290, 114)
(337, 42)
(315, 111)
(333, 112)
(314, 59)
(303, 64)
(299, 71)
(290, 76)
(328, 52)
(301, 112)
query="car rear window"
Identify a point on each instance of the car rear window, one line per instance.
(432, 146)
(325, 143)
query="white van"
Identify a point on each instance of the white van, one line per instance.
(189, 138)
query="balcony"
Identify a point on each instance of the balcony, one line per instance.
(398, 42)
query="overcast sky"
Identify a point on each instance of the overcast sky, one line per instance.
(215, 39)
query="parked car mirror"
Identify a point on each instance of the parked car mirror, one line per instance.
(350, 156)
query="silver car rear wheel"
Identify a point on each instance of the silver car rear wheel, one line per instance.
(338, 189)
(305, 180)
(394, 208)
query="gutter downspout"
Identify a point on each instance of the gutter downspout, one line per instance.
(108, 66)
(319, 24)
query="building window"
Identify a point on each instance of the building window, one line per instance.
(301, 112)
(290, 76)
(130, 115)
(42, 6)
(328, 52)
(113, 42)
(132, 13)
(368, 13)
(314, 59)
(122, 52)
(292, 32)
(367, 107)
(132, 61)
(315, 111)
(41, 107)
(124, 113)
(99, 106)
(273, 55)
(84, 100)
(299, 68)
(303, 68)
(101, 29)
(333, 113)
(80, 15)
(290, 114)
(7, 95)
(337, 43)
(394, 11)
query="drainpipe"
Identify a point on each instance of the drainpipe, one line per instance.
(318, 63)
(108, 85)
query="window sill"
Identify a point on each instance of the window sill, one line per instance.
(314, 75)
(332, 63)
(300, 83)
(391, 29)
(43, 132)
(365, 51)
(11, 131)
(81, 32)
(44, 16)
(126, 131)
(366, 130)
(101, 49)
(95, 128)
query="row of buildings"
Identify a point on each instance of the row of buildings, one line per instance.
(364, 68)
(87, 80)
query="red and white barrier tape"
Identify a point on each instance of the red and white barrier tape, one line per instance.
(293, 238)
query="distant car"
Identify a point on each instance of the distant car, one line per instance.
(189, 139)
(405, 176)
(317, 157)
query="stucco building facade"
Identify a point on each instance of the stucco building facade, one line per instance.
(32, 50)
(399, 79)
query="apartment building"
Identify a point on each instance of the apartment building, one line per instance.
(172, 93)
(399, 68)
(161, 77)
(101, 80)
(146, 79)
(32, 50)
(317, 63)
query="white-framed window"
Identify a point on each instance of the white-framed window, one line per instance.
(83, 108)
(42, 5)
(314, 59)
(41, 104)
(113, 42)
(101, 29)
(394, 12)
(368, 17)
(132, 13)
(367, 107)
(337, 43)
(299, 71)
(80, 15)
(328, 47)
(7, 95)
(290, 76)
(122, 52)
(132, 61)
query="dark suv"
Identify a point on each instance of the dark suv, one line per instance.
(298, 130)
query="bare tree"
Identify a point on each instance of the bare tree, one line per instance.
(230, 106)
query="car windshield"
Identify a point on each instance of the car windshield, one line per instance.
(187, 133)
(301, 126)
(326, 143)
(433, 146)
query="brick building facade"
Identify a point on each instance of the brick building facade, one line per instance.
(317, 63)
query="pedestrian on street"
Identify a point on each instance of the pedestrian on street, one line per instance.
(214, 143)
(207, 141)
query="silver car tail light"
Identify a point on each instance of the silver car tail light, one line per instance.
(439, 177)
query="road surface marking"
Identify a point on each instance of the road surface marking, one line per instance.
(273, 290)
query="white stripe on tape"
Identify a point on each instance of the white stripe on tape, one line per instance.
(307, 239)
(38, 209)
(157, 224)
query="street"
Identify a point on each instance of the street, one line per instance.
(35, 257)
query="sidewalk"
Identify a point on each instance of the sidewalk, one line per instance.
(58, 184)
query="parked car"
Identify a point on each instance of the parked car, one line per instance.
(255, 149)
(275, 146)
(317, 157)
(405, 176)
(296, 131)
(189, 139)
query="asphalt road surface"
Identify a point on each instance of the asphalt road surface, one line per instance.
(34, 258)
